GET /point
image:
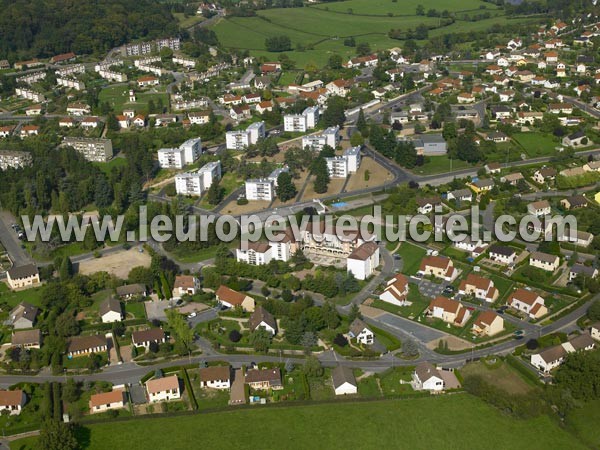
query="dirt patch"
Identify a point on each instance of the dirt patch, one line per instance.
(126, 353)
(335, 186)
(253, 205)
(118, 264)
(370, 312)
(454, 343)
(378, 175)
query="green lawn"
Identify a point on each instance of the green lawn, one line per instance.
(583, 422)
(441, 422)
(108, 167)
(118, 98)
(13, 298)
(440, 164)
(411, 256)
(403, 8)
(536, 144)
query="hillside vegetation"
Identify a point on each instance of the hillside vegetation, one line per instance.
(43, 28)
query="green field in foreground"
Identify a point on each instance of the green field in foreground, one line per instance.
(444, 422)
(405, 7)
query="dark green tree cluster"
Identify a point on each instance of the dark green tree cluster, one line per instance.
(403, 152)
(44, 28)
(278, 43)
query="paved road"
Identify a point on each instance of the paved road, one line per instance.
(11, 242)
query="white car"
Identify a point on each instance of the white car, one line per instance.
(192, 315)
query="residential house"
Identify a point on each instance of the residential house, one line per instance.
(185, 285)
(475, 247)
(23, 316)
(261, 318)
(427, 205)
(344, 382)
(427, 377)
(544, 175)
(460, 195)
(110, 310)
(22, 277)
(264, 379)
(439, 267)
(430, 144)
(479, 287)
(544, 261)
(131, 290)
(592, 166)
(85, 345)
(552, 357)
(488, 323)
(215, 377)
(12, 401)
(145, 338)
(493, 168)
(540, 208)
(107, 401)
(576, 139)
(163, 389)
(579, 270)
(26, 339)
(512, 178)
(448, 310)
(574, 202)
(147, 80)
(396, 291)
(361, 333)
(576, 237)
(595, 331)
(482, 185)
(230, 299)
(529, 302)
(502, 254)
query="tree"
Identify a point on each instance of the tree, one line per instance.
(361, 123)
(286, 190)
(112, 123)
(409, 348)
(183, 333)
(335, 112)
(57, 435)
(357, 140)
(354, 313)
(335, 62)
(321, 173)
(312, 367)
(363, 49)
(215, 193)
(260, 339)
(340, 340)
(593, 311)
(309, 340)
(142, 275)
(71, 391)
(280, 43)
(420, 10)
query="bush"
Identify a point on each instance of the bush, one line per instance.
(340, 340)
(242, 201)
(235, 336)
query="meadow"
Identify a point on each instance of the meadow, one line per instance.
(318, 31)
(443, 422)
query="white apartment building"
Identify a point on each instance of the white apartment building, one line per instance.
(71, 83)
(299, 123)
(342, 166)
(260, 189)
(97, 150)
(317, 141)
(14, 159)
(195, 183)
(177, 158)
(28, 94)
(239, 140)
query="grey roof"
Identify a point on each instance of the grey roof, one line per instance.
(461, 193)
(552, 354)
(26, 337)
(502, 250)
(25, 271)
(580, 269)
(131, 289)
(357, 326)
(582, 341)
(260, 315)
(432, 138)
(110, 305)
(544, 257)
(426, 370)
(341, 375)
(23, 310)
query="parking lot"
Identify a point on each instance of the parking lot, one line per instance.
(431, 289)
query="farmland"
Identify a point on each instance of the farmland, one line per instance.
(426, 423)
(321, 29)
(537, 144)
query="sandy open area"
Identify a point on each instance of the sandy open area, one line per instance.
(377, 175)
(118, 264)
(335, 186)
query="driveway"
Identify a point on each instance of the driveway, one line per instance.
(431, 289)
(421, 333)
(137, 394)
(157, 310)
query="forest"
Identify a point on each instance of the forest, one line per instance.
(44, 28)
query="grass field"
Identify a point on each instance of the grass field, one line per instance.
(583, 422)
(118, 96)
(500, 375)
(403, 8)
(13, 298)
(440, 164)
(411, 257)
(321, 28)
(536, 144)
(442, 422)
